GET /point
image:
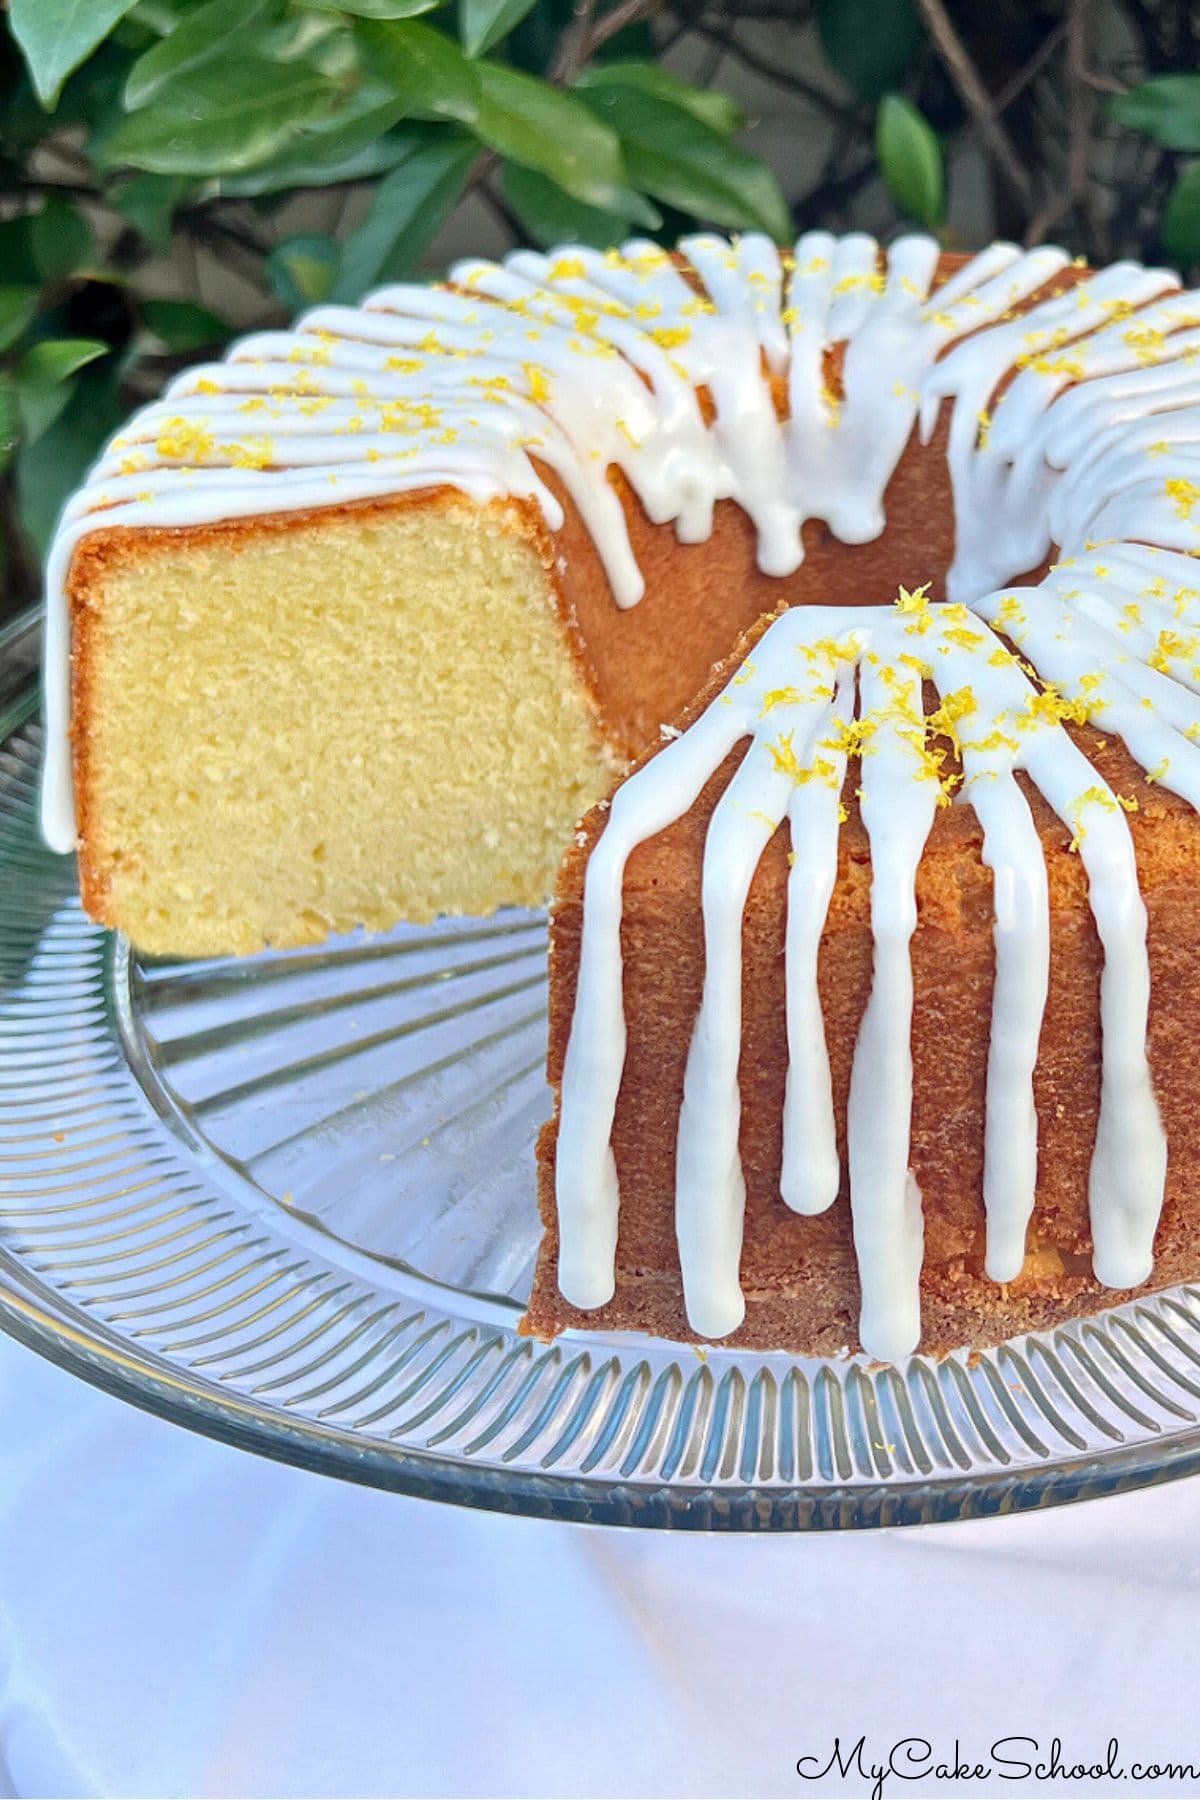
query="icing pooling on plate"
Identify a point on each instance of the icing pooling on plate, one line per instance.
(1074, 422)
(792, 702)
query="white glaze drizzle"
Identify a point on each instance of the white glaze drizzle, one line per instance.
(1000, 723)
(580, 362)
(583, 362)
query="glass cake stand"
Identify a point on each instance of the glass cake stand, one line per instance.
(288, 1201)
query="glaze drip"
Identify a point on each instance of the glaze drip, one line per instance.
(1074, 429)
(581, 362)
(999, 722)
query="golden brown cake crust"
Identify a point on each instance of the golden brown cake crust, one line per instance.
(799, 1274)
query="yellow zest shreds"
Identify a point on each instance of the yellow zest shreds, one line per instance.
(930, 765)
(1101, 797)
(790, 316)
(816, 265)
(627, 434)
(204, 386)
(917, 664)
(983, 420)
(1011, 614)
(567, 268)
(580, 346)
(786, 762)
(671, 337)
(995, 739)
(851, 737)
(317, 354)
(1146, 341)
(1052, 707)
(905, 696)
(185, 440)
(404, 365)
(875, 283)
(696, 307)
(251, 453)
(957, 626)
(1159, 449)
(539, 382)
(743, 675)
(648, 309)
(1159, 771)
(1173, 646)
(135, 464)
(916, 605)
(832, 404)
(843, 813)
(946, 718)
(785, 696)
(1131, 615)
(762, 818)
(1184, 493)
(829, 652)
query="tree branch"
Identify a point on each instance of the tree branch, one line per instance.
(975, 98)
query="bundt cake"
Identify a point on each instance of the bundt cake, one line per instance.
(870, 986)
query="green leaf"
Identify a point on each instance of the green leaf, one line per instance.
(552, 217)
(910, 160)
(182, 325)
(1181, 220)
(10, 421)
(375, 9)
(17, 308)
(16, 251)
(1166, 108)
(709, 105)
(303, 270)
(424, 69)
(679, 159)
(51, 466)
(55, 36)
(60, 239)
(533, 124)
(43, 378)
(199, 37)
(482, 23)
(870, 43)
(150, 202)
(351, 144)
(407, 211)
(226, 117)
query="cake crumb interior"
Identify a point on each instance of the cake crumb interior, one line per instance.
(303, 727)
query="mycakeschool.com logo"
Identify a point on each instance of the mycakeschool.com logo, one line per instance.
(877, 1770)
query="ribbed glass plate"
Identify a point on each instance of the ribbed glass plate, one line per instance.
(289, 1201)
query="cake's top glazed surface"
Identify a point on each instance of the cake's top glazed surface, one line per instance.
(696, 390)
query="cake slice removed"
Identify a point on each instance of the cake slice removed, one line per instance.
(983, 1190)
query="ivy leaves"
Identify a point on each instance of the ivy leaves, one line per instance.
(211, 114)
(57, 35)
(1167, 109)
(910, 161)
(250, 98)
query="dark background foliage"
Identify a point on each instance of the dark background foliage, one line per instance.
(173, 170)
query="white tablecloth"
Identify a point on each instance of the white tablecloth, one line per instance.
(177, 1617)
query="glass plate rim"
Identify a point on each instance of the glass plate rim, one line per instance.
(35, 1316)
